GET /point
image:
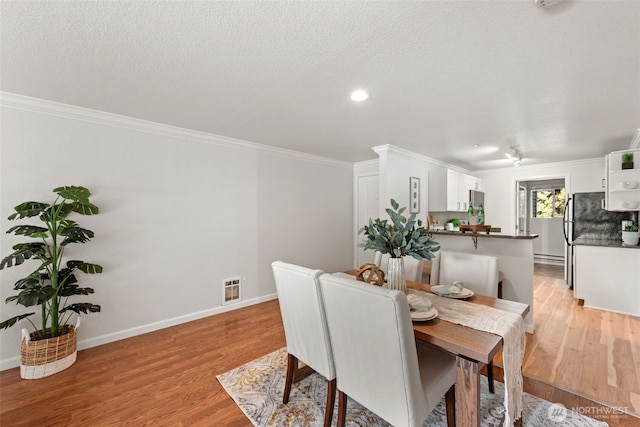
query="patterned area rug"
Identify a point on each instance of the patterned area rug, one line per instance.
(257, 388)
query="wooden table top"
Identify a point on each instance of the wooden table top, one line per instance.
(462, 340)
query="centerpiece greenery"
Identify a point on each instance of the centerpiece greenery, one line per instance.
(400, 236)
(52, 282)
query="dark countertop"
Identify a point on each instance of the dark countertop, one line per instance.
(610, 243)
(492, 235)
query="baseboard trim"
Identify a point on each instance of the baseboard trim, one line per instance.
(548, 259)
(13, 362)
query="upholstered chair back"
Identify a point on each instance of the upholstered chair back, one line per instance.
(478, 272)
(374, 349)
(303, 316)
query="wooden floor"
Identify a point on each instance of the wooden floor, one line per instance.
(592, 352)
(168, 377)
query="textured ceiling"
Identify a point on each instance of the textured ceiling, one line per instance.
(561, 83)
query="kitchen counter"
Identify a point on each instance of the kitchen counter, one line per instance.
(485, 235)
(607, 277)
(515, 260)
(612, 243)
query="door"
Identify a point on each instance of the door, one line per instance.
(368, 207)
(521, 210)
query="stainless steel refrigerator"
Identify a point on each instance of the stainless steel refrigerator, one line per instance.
(586, 218)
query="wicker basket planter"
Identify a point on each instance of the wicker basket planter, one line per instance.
(41, 358)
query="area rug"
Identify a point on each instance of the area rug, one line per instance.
(257, 388)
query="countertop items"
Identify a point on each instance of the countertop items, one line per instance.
(612, 243)
(485, 236)
(474, 229)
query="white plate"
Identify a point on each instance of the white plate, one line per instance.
(465, 293)
(420, 316)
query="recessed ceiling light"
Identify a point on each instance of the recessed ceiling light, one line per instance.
(359, 96)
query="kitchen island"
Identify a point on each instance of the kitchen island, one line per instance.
(515, 260)
(607, 275)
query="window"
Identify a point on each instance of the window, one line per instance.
(549, 203)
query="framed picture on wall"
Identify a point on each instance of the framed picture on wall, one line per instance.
(414, 194)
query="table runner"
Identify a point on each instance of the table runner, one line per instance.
(509, 326)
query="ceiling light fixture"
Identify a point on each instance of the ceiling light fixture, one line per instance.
(359, 96)
(545, 3)
(514, 155)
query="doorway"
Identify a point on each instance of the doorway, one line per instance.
(540, 208)
(368, 206)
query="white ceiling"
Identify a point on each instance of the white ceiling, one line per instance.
(561, 83)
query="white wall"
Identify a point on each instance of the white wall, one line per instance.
(179, 212)
(500, 184)
(551, 241)
(396, 167)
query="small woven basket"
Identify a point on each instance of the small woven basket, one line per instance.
(41, 358)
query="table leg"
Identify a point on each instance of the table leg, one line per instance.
(467, 392)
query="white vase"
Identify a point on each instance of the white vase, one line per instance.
(630, 238)
(395, 274)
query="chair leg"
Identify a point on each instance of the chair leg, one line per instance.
(450, 405)
(342, 409)
(490, 377)
(331, 398)
(292, 367)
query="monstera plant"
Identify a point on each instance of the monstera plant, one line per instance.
(53, 281)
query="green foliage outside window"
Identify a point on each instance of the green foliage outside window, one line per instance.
(549, 203)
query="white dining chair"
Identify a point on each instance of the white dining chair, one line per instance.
(412, 266)
(377, 360)
(478, 273)
(305, 327)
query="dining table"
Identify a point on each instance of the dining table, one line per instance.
(473, 349)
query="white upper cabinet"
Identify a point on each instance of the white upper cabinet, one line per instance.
(449, 190)
(623, 184)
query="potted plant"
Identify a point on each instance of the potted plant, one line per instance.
(53, 282)
(400, 236)
(627, 161)
(630, 235)
(455, 224)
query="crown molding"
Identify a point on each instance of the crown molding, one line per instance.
(74, 112)
(583, 162)
(366, 167)
(388, 148)
(635, 142)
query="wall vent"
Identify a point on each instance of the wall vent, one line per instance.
(231, 290)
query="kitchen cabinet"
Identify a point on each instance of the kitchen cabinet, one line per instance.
(449, 190)
(623, 185)
(458, 187)
(607, 278)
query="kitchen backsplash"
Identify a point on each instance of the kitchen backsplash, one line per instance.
(593, 222)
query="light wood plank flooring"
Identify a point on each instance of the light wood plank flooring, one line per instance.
(593, 352)
(167, 377)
